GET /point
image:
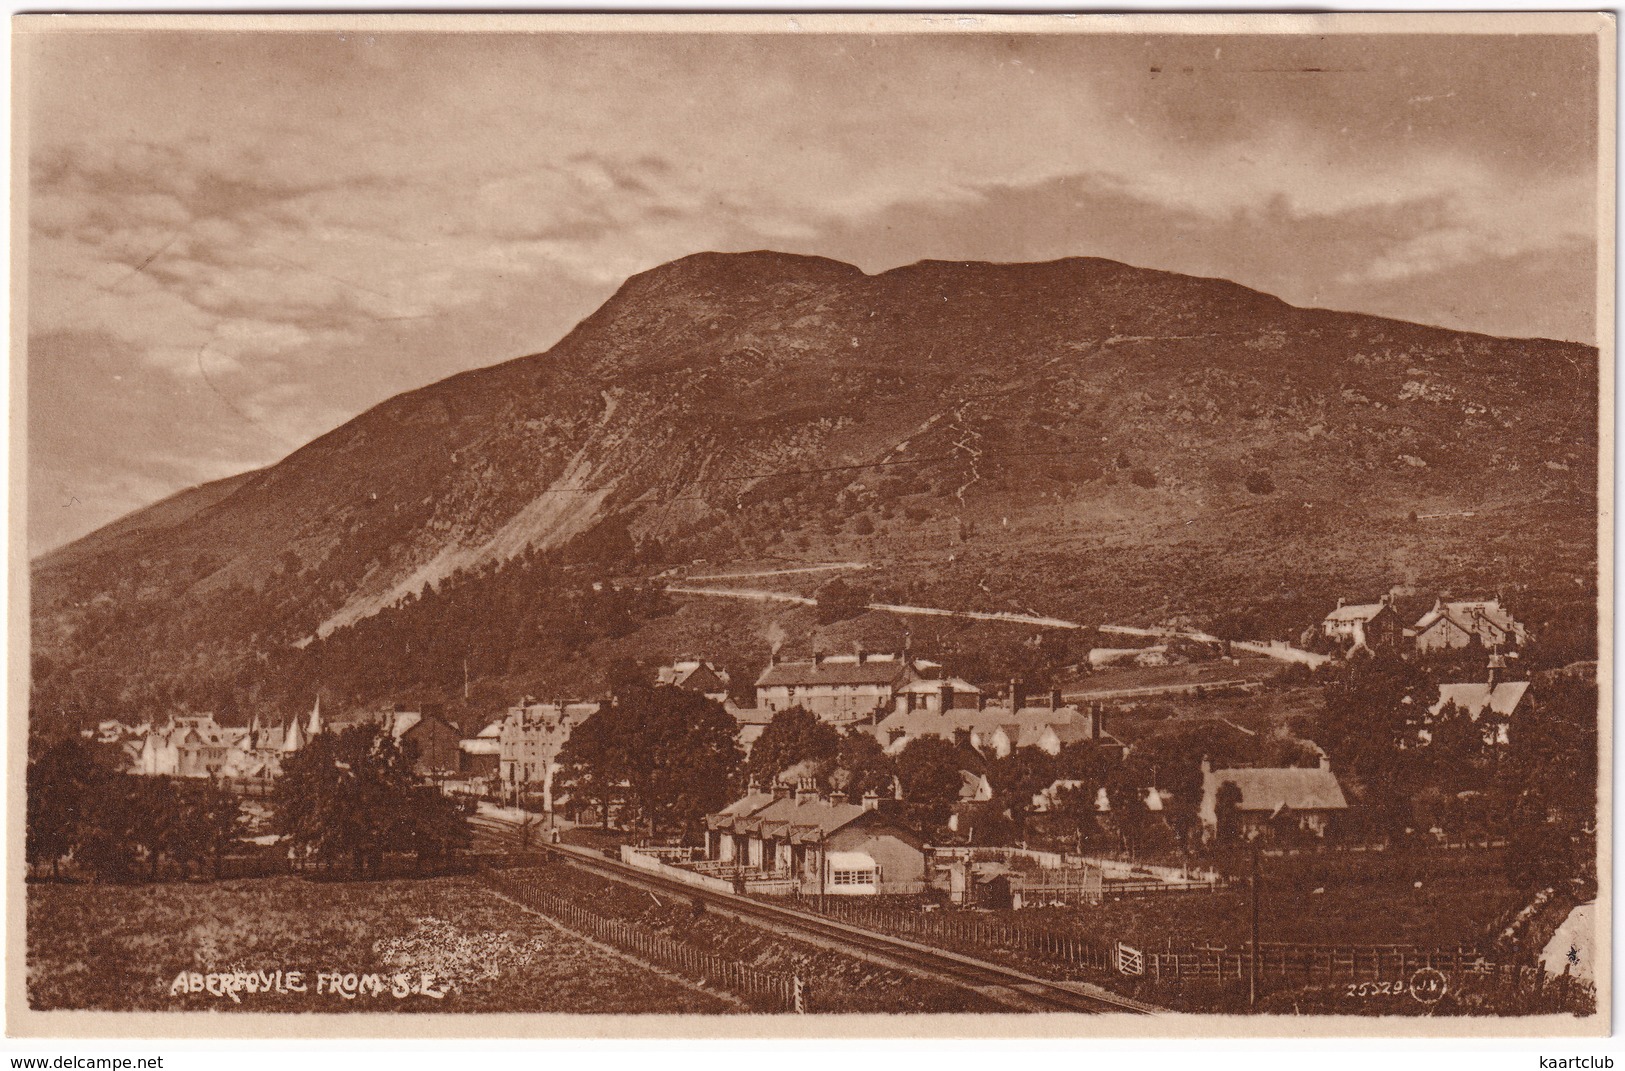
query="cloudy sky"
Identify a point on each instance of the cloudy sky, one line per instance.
(238, 241)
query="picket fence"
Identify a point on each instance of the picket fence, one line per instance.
(763, 990)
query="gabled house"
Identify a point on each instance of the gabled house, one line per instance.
(1374, 626)
(1270, 801)
(1453, 625)
(1492, 702)
(694, 675)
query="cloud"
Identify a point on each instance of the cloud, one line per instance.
(270, 232)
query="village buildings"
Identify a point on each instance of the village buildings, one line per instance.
(841, 689)
(815, 844)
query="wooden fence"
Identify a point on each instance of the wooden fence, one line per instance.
(1173, 964)
(763, 990)
(1122, 889)
(967, 928)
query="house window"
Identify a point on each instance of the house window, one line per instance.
(852, 877)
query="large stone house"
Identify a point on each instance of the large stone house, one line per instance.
(1374, 626)
(1452, 625)
(694, 675)
(840, 689)
(815, 844)
(530, 740)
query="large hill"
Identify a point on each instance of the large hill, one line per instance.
(1080, 438)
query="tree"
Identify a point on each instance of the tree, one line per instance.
(794, 736)
(60, 786)
(862, 766)
(928, 767)
(838, 600)
(668, 752)
(353, 795)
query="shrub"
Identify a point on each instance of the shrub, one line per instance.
(1143, 477)
(1259, 483)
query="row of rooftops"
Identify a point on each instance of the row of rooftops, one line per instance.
(1464, 612)
(801, 815)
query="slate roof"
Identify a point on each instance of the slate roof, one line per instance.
(834, 672)
(1364, 611)
(1474, 699)
(1270, 788)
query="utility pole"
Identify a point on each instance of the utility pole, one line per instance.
(1252, 970)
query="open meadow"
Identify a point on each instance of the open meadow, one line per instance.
(436, 945)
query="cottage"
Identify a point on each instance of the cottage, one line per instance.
(1453, 625)
(839, 689)
(817, 845)
(1271, 801)
(695, 676)
(1375, 626)
(752, 722)
(1492, 701)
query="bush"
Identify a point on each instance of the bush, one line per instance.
(1143, 477)
(1259, 483)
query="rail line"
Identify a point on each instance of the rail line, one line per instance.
(997, 982)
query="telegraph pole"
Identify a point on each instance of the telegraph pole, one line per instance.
(1252, 970)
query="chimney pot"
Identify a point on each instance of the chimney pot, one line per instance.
(857, 650)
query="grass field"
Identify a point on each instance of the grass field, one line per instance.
(121, 948)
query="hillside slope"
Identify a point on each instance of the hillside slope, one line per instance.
(1079, 437)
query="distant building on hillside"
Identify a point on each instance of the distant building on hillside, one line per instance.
(840, 689)
(1375, 626)
(936, 696)
(530, 740)
(1453, 625)
(694, 675)
(1271, 801)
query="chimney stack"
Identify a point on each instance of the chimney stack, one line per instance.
(1055, 699)
(981, 700)
(837, 799)
(806, 791)
(946, 702)
(857, 650)
(1018, 697)
(911, 697)
(781, 790)
(1097, 718)
(818, 658)
(871, 801)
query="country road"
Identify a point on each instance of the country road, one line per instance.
(1277, 651)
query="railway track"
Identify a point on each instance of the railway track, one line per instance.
(997, 982)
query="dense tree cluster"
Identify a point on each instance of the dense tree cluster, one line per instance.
(348, 797)
(661, 757)
(116, 826)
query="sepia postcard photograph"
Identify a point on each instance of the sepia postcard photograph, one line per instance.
(810, 525)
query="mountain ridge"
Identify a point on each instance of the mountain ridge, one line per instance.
(758, 404)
